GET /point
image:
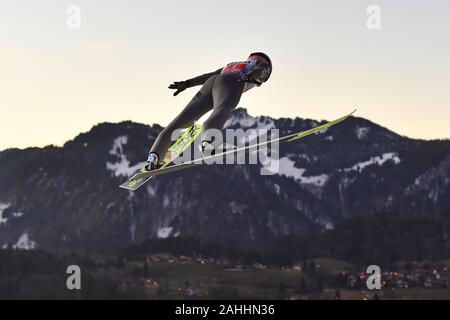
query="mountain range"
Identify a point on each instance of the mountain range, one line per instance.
(67, 198)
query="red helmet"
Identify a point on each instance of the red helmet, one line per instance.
(262, 57)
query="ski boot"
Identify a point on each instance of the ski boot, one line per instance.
(152, 161)
(207, 148)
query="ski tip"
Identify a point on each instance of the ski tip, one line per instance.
(127, 187)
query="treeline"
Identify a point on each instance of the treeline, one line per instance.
(192, 247)
(387, 238)
(42, 275)
(380, 239)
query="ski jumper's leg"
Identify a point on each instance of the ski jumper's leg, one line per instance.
(196, 108)
(226, 92)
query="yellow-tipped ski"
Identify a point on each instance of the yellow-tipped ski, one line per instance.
(140, 178)
(184, 141)
(320, 128)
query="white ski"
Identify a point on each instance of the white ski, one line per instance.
(209, 159)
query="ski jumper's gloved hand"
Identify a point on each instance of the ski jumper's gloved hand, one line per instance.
(183, 85)
(179, 86)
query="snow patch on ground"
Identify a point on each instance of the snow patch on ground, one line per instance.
(265, 123)
(418, 181)
(24, 243)
(346, 182)
(236, 207)
(286, 167)
(380, 160)
(319, 180)
(433, 195)
(248, 121)
(3, 206)
(151, 191)
(327, 225)
(324, 130)
(361, 132)
(244, 121)
(130, 195)
(122, 166)
(303, 156)
(117, 148)
(164, 233)
(166, 201)
(277, 188)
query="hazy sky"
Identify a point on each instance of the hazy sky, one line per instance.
(56, 82)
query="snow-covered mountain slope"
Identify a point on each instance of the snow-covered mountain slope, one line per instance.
(67, 198)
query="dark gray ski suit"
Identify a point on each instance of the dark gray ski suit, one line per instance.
(221, 92)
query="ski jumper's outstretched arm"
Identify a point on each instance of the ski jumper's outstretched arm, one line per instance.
(202, 79)
(198, 106)
(180, 86)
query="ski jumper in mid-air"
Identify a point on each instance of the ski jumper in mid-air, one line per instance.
(221, 92)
